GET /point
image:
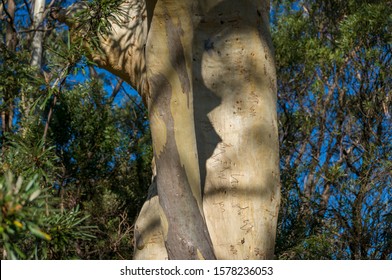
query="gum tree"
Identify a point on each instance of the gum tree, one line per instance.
(206, 72)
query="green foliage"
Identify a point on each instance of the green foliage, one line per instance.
(31, 228)
(64, 229)
(21, 214)
(94, 19)
(100, 15)
(105, 151)
(30, 158)
(333, 60)
(84, 149)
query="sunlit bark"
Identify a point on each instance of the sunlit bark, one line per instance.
(206, 72)
(36, 46)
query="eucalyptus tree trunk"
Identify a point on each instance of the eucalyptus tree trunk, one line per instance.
(206, 72)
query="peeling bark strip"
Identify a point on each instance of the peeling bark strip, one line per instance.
(187, 236)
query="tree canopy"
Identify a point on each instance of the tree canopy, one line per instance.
(333, 60)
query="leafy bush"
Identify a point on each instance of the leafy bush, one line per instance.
(32, 229)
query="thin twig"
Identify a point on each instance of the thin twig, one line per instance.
(36, 30)
(59, 81)
(116, 89)
(28, 11)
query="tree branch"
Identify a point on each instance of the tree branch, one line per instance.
(11, 19)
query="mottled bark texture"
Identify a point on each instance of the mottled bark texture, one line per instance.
(206, 71)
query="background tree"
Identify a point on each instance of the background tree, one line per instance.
(334, 85)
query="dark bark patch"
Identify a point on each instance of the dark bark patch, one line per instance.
(176, 54)
(208, 44)
(187, 231)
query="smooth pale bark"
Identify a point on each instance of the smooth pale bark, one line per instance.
(36, 46)
(149, 240)
(206, 71)
(236, 122)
